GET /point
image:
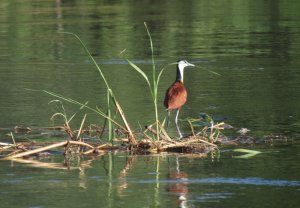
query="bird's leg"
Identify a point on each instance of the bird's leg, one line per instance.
(176, 122)
(168, 118)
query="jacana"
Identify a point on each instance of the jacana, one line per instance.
(176, 94)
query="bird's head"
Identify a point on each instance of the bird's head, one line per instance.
(181, 64)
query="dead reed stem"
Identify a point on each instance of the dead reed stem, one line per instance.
(79, 131)
(163, 136)
(30, 152)
(188, 143)
(97, 149)
(132, 139)
(52, 146)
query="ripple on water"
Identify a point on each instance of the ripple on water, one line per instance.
(221, 180)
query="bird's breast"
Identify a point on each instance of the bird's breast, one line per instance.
(176, 96)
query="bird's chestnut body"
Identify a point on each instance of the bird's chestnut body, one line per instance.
(176, 96)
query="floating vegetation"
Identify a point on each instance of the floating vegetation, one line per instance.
(206, 133)
(86, 142)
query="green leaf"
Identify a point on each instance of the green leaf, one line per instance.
(140, 71)
(160, 73)
(249, 153)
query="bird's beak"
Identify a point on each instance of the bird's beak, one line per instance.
(189, 64)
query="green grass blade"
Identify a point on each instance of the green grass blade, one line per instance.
(152, 51)
(71, 118)
(155, 81)
(110, 127)
(139, 71)
(97, 111)
(81, 107)
(249, 153)
(160, 73)
(56, 115)
(90, 55)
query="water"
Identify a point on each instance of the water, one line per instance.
(254, 45)
(270, 179)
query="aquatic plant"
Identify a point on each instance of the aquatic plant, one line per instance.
(152, 83)
(206, 127)
(199, 142)
(110, 96)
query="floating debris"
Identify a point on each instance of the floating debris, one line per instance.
(243, 131)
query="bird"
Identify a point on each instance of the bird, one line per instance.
(176, 94)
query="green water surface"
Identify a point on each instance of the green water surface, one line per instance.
(253, 44)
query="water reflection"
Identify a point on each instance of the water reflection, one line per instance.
(180, 188)
(158, 181)
(44, 161)
(123, 174)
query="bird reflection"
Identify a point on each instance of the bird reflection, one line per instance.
(179, 188)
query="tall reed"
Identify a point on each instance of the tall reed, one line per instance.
(152, 84)
(110, 96)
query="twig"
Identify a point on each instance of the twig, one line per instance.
(79, 131)
(182, 144)
(6, 145)
(132, 139)
(69, 131)
(30, 152)
(168, 139)
(156, 144)
(12, 137)
(14, 152)
(98, 148)
(60, 144)
(165, 133)
(81, 143)
(211, 144)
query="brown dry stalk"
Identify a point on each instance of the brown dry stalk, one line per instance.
(164, 132)
(6, 145)
(182, 144)
(97, 148)
(30, 152)
(163, 136)
(81, 143)
(69, 131)
(52, 146)
(132, 139)
(15, 152)
(206, 142)
(79, 131)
